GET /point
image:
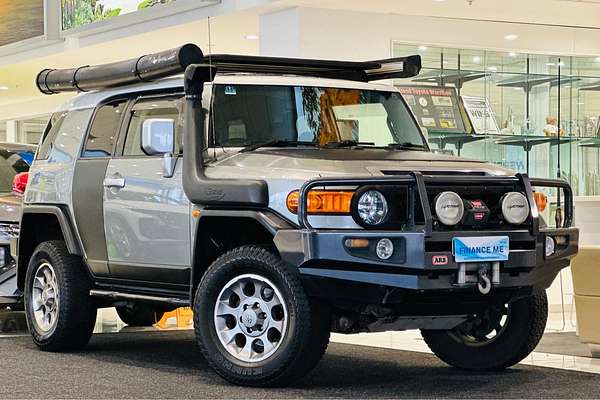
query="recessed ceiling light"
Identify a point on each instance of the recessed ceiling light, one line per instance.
(597, 59)
(251, 37)
(422, 48)
(512, 54)
(476, 59)
(511, 36)
(3, 87)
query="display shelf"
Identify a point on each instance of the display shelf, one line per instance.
(456, 139)
(449, 77)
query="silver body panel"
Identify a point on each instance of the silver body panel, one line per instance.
(146, 221)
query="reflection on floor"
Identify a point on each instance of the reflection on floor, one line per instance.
(559, 348)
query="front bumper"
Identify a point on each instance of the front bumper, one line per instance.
(323, 254)
(322, 257)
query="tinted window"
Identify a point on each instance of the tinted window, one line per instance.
(104, 130)
(146, 109)
(13, 162)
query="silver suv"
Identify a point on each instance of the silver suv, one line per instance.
(282, 199)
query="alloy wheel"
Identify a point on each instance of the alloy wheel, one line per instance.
(250, 318)
(45, 297)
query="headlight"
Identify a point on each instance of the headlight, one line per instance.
(515, 208)
(449, 208)
(372, 207)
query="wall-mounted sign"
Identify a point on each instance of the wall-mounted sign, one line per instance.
(435, 108)
(481, 114)
(76, 13)
(20, 20)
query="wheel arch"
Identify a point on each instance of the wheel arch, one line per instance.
(214, 235)
(40, 223)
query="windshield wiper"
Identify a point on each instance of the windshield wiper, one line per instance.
(406, 146)
(347, 143)
(275, 143)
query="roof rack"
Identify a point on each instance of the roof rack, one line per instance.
(172, 62)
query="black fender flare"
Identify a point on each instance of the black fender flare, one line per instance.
(270, 220)
(66, 226)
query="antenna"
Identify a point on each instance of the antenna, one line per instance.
(212, 97)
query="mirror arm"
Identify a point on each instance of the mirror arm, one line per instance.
(169, 163)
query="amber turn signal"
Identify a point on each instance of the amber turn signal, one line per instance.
(541, 200)
(322, 202)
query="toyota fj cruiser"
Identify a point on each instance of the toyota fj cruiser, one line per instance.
(282, 199)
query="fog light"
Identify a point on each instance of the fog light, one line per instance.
(550, 246)
(384, 248)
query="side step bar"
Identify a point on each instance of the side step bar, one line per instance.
(139, 297)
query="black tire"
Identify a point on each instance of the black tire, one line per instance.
(522, 332)
(139, 314)
(308, 323)
(76, 313)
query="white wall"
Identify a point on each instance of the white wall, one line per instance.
(359, 36)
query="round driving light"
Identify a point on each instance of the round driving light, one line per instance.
(515, 208)
(372, 207)
(384, 248)
(550, 246)
(449, 208)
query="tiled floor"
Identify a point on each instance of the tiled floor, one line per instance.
(411, 340)
(109, 322)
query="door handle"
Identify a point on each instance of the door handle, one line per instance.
(116, 181)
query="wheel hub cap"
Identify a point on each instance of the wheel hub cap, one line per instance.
(250, 318)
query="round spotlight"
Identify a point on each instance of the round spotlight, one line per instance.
(449, 208)
(372, 207)
(384, 248)
(515, 208)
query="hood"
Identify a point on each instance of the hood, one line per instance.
(294, 163)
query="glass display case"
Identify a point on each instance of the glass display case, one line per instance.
(532, 113)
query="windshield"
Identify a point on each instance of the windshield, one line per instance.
(249, 114)
(11, 163)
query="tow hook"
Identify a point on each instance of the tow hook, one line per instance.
(483, 281)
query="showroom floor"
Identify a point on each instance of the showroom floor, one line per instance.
(167, 365)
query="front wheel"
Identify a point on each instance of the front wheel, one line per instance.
(254, 322)
(499, 338)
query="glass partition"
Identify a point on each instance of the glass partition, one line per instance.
(532, 113)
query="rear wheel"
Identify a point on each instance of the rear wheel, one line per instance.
(498, 338)
(139, 314)
(254, 322)
(60, 312)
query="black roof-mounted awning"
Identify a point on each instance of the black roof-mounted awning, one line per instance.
(172, 62)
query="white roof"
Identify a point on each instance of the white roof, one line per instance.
(93, 98)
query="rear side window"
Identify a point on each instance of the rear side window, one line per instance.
(52, 129)
(103, 132)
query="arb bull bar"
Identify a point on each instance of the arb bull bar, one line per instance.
(321, 252)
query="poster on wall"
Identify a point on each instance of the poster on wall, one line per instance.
(481, 114)
(20, 20)
(76, 13)
(435, 108)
